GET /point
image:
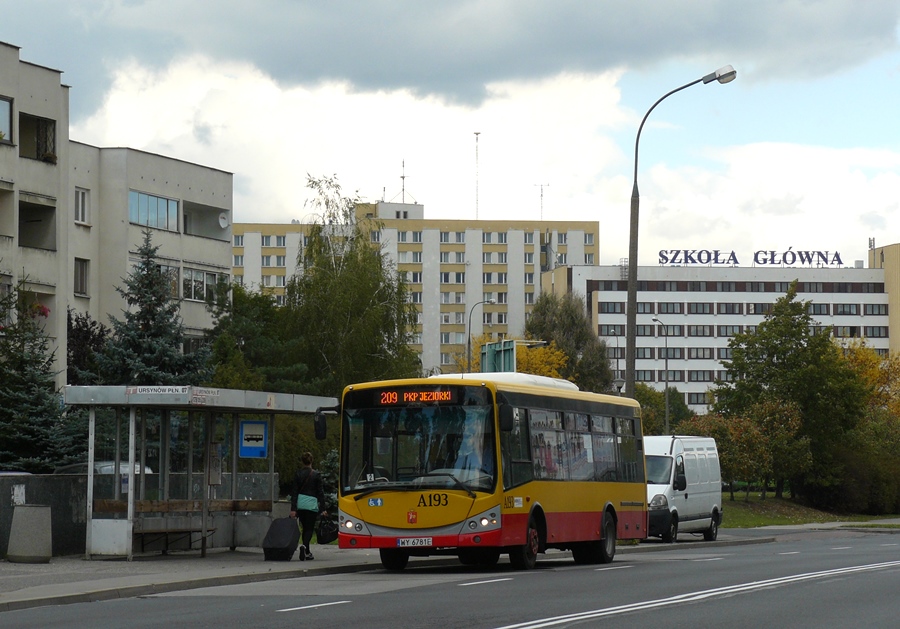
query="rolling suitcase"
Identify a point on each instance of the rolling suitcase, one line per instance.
(281, 540)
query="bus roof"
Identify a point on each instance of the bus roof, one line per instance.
(515, 378)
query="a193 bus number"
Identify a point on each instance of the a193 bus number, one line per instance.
(433, 500)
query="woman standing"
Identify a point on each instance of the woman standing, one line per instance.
(308, 500)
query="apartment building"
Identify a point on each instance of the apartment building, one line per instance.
(465, 276)
(72, 215)
(687, 314)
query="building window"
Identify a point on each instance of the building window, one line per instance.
(529, 238)
(501, 238)
(445, 277)
(487, 257)
(700, 375)
(152, 211)
(446, 358)
(814, 309)
(199, 285)
(487, 318)
(238, 260)
(730, 308)
(643, 375)
(875, 331)
(416, 297)
(82, 206)
(460, 278)
(669, 307)
(37, 138)
(266, 241)
(725, 353)
(280, 241)
(876, 309)
(501, 318)
(700, 353)
(417, 236)
(729, 330)
(529, 279)
(699, 308)
(726, 287)
(589, 239)
(529, 299)
(280, 280)
(589, 259)
(486, 237)
(675, 375)
(761, 309)
(446, 298)
(460, 257)
(561, 238)
(846, 309)
(445, 237)
(644, 307)
(612, 330)
(280, 260)
(501, 277)
(672, 352)
(5, 119)
(416, 277)
(811, 287)
(611, 307)
(501, 257)
(445, 257)
(644, 353)
(700, 330)
(460, 237)
(697, 398)
(81, 277)
(267, 260)
(401, 236)
(376, 236)
(239, 240)
(266, 280)
(782, 287)
(725, 376)
(501, 298)
(562, 258)
(697, 287)
(645, 330)
(417, 257)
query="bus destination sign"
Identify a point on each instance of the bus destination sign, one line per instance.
(390, 397)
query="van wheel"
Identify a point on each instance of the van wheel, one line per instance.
(712, 532)
(671, 536)
(525, 556)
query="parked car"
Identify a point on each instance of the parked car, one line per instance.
(101, 467)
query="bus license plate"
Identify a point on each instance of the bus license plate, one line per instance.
(414, 541)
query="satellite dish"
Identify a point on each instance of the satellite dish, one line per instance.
(223, 220)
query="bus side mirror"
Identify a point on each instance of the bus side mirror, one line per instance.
(507, 421)
(319, 421)
(680, 482)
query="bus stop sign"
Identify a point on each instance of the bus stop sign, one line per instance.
(254, 439)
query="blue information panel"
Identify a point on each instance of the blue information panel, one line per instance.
(254, 439)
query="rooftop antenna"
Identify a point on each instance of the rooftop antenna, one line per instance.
(403, 185)
(542, 196)
(477, 133)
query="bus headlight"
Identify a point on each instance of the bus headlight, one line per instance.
(487, 521)
(659, 502)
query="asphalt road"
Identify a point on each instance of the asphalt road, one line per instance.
(816, 579)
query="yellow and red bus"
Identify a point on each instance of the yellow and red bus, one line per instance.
(477, 465)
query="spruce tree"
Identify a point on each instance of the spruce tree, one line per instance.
(146, 346)
(32, 435)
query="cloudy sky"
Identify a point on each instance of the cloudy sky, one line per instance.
(801, 151)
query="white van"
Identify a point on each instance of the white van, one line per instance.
(684, 487)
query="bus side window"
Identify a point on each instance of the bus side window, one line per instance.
(515, 447)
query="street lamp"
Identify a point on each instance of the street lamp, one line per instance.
(725, 74)
(618, 382)
(469, 333)
(656, 319)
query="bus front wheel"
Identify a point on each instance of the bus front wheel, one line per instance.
(394, 559)
(525, 556)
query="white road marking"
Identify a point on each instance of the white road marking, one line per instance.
(295, 609)
(612, 568)
(462, 585)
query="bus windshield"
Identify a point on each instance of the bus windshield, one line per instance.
(659, 470)
(419, 445)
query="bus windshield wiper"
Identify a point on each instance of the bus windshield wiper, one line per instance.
(458, 483)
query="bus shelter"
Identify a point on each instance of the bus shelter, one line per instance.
(214, 482)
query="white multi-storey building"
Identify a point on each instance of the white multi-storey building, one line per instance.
(72, 215)
(464, 276)
(686, 315)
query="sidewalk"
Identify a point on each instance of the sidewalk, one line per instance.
(73, 579)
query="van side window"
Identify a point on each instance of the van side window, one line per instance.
(679, 465)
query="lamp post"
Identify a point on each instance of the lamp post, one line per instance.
(666, 367)
(469, 333)
(618, 382)
(725, 74)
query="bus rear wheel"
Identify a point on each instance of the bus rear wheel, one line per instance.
(394, 559)
(525, 556)
(608, 543)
